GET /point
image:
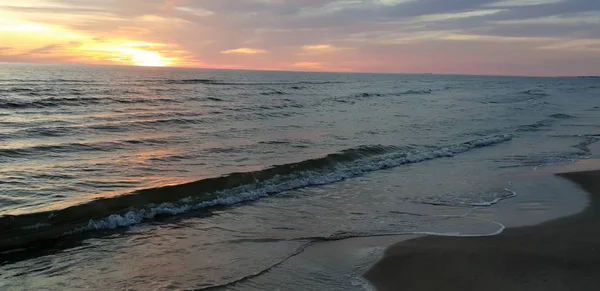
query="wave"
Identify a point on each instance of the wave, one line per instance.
(532, 96)
(36, 91)
(48, 102)
(538, 126)
(584, 146)
(561, 116)
(21, 90)
(535, 92)
(40, 150)
(415, 92)
(130, 100)
(407, 92)
(274, 92)
(48, 81)
(365, 95)
(52, 99)
(37, 132)
(190, 81)
(146, 121)
(233, 83)
(78, 101)
(133, 208)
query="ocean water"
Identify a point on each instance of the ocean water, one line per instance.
(187, 179)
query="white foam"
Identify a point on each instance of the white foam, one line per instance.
(443, 202)
(359, 281)
(280, 184)
(501, 227)
(458, 234)
(495, 201)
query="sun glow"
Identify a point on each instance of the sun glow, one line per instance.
(129, 53)
(55, 43)
(148, 58)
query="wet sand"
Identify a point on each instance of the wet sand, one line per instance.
(563, 254)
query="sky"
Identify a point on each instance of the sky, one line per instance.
(492, 37)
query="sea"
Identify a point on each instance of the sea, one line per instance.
(140, 178)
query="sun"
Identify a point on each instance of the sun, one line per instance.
(149, 59)
(132, 53)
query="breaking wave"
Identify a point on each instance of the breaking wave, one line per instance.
(135, 207)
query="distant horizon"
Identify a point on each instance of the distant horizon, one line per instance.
(295, 71)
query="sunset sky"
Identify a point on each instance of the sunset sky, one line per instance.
(507, 37)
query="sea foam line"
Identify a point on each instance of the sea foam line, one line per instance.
(280, 184)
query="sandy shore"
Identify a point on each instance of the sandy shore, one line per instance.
(562, 254)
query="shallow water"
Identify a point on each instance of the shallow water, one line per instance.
(356, 155)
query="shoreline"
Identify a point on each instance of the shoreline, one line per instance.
(561, 254)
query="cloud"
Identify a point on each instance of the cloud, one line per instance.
(367, 35)
(513, 3)
(308, 65)
(322, 48)
(195, 11)
(592, 45)
(244, 51)
(318, 47)
(47, 49)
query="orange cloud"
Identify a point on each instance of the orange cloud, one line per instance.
(244, 51)
(322, 48)
(318, 47)
(43, 41)
(131, 53)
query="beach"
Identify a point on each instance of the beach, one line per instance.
(562, 254)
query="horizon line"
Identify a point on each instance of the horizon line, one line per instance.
(296, 71)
